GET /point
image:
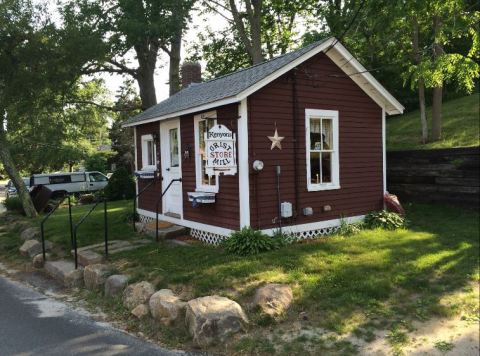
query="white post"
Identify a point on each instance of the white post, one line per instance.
(384, 150)
(243, 167)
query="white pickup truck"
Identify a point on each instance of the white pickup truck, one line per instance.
(70, 182)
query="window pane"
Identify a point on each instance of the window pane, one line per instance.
(315, 142)
(150, 153)
(326, 167)
(315, 168)
(97, 177)
(327, 134)
(174, 159)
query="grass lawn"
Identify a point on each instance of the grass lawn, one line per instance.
(57, 228)
(374, 280)
(460, 128)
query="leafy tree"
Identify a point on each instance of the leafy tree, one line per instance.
(118, 28)
(62, 134)
(256, 29)
(33, 71)
(414, 42)
(122, 138)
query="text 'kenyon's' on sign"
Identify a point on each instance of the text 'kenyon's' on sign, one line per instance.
(220, 151)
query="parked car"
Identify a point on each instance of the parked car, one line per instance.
(11, 191)
(70, 182)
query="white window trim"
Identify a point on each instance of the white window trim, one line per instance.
(145, 166)
(198, 174)
(335, 184)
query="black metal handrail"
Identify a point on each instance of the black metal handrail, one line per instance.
(42, 223)
(158, 204)
(136, 197)
(80, 222)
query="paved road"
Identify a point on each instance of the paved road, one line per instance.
(34, 324)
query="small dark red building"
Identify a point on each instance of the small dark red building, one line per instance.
(306, 149)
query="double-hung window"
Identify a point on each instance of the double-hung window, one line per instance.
(149, 153)
(322, 149)
(203, 123)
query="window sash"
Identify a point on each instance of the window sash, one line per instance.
(149, 153)
(324, 125)
(204, 182)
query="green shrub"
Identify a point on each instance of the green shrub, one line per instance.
(346, 229)
(14, 204)
(384, 219)
(251, 242)
(98, 161)
(120, 185)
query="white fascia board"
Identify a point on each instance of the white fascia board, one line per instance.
(379, 89)
(192, 110)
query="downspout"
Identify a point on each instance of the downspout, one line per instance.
(295, 141)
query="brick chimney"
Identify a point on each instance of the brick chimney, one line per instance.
(191, 73)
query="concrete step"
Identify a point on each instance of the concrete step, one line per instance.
(168, 232)
(65, 272)
(89, 257)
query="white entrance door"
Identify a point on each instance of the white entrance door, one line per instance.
(171, 167)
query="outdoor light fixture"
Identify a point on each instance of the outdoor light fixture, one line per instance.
(257, 165)
(186, 153)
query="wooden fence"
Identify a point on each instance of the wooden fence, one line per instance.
(445, 176)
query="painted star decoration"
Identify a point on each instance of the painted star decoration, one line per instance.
(276, 140)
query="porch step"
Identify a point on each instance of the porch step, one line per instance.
(167, 232)
(89, 257)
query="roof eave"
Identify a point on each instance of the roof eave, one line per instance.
(194, 109)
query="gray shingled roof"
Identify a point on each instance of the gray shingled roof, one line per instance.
(219, 88)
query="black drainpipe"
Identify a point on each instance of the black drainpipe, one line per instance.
(295, 139)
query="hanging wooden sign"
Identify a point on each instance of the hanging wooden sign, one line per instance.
(220, 151)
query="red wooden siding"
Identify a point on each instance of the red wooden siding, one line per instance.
(149, 198)
(225, 211)
(320, 85)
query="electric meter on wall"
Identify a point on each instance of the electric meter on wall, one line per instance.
(286, 209)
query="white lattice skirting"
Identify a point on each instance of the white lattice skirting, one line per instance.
(298, 233)
(207, 237)
(145, 219)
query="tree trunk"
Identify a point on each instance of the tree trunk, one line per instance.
(22, 191)
(146, 85)
(175, 56)
(437, 114)
(438, 90)
(421, 83)
(423, 112)
(147, 59)
(256, 31)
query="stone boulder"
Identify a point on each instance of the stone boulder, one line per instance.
(139, 226)
(33, 247)
(140, 311)
(65, 272)
(138, 293)
(114, 285)
(213, 319)
(30, 233)
(95, 276)
(273, 299)
(165, 306)
(38, 261)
